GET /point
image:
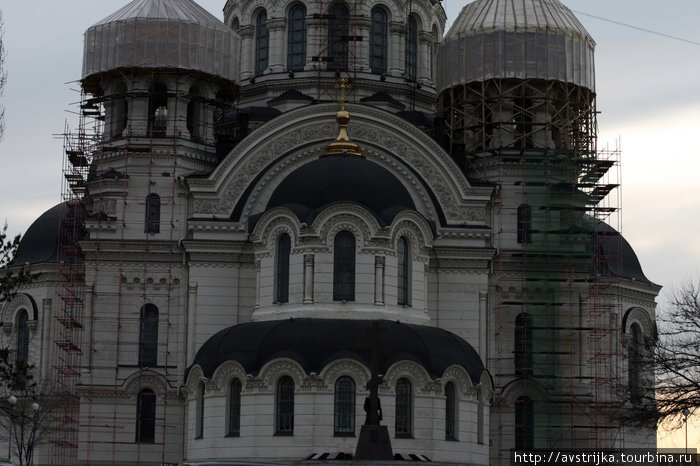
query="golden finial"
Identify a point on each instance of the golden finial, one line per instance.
(342, 144)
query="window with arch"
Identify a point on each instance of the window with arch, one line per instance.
(158, 110)
(284, 248)
(148, 336)
(284, 404)
(146, 416)
(634, 361)
(524, 424)
(22, 357)
(296, 38)
(450, 411)
(152, 213)
(338, 31)
(404, 272)
(344, 407)
(404, 409)
(378, 40)
(234, 408)
(412, 49)
(120, 110)
(522, 344)
(262, 43)
(524, 224)
(344, 267)
(199, 412)
(194, 109)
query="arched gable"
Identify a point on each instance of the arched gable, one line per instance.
(244, 181)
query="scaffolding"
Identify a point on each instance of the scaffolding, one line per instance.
(554, 356)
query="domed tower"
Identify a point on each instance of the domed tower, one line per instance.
(158, 74)
(517, 92)
(293, 51)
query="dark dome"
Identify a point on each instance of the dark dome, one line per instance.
(621, 260)
(314, 343)
(40, 242)
(342, 179)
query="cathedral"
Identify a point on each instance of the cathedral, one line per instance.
(264, 216)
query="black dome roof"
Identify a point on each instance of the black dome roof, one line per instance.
(621, 260)
(314, 343)
(342, 179)
(40, 242)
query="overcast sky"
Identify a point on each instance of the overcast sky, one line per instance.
(648, 95)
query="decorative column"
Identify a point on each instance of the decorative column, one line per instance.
(138, 90)
(397, 49)
(379, 262)
(362, 25)
(315, 36)
(425, 42)
(178, 106)
(247, 34)
(276, 28)
(308, 279)
(191, 321)
(483, 326)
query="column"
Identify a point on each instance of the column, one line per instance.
(315, 36)
(361, 48)
(425, 42)
(277, 28)
(191, 321)
(308, 279)
(247, 34)
(379, 262)
(397, 48)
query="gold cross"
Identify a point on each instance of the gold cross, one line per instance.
(342, 84)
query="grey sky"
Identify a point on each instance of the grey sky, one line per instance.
(648, 95)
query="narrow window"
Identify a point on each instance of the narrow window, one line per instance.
(285, 406)
(234, 408)
(378, 35)
(148, 337)
(158, 110)
(199, 422)
(344, 407)
(338, 31)
(22, 340)
(296, 38)
(261, 43)
(450, 412)
(404, 273)
(404, 409)
(284, 247)
(480, 419)
(524, 224)
(152, 213)
(523, 344)
(344, 267)
(412, 49)
(120, 109)
(524, 424)
(194, 107)
(146, 416)
(634, 357)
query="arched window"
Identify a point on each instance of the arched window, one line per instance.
(296, 38)
(234, 408)
(22, 340)
(146, 416)
(404, 409)
(338, 31)
(194, 108)
(120, 110)
(148, 338)
(344, 267)
(378, 39)
(522, 344)
(450, 412)
(634, 360)
(524, 424)
(412, 49)
(262, 43)
(199, 421)
(404, 272)
(284, 247)
(284, 424)
(344, 407)
(480, 418)
(158, 110)
(524, 224)
(152, 213)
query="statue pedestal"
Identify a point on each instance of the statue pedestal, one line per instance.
(374, 444)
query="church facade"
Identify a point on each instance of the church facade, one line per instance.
(261, 191)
